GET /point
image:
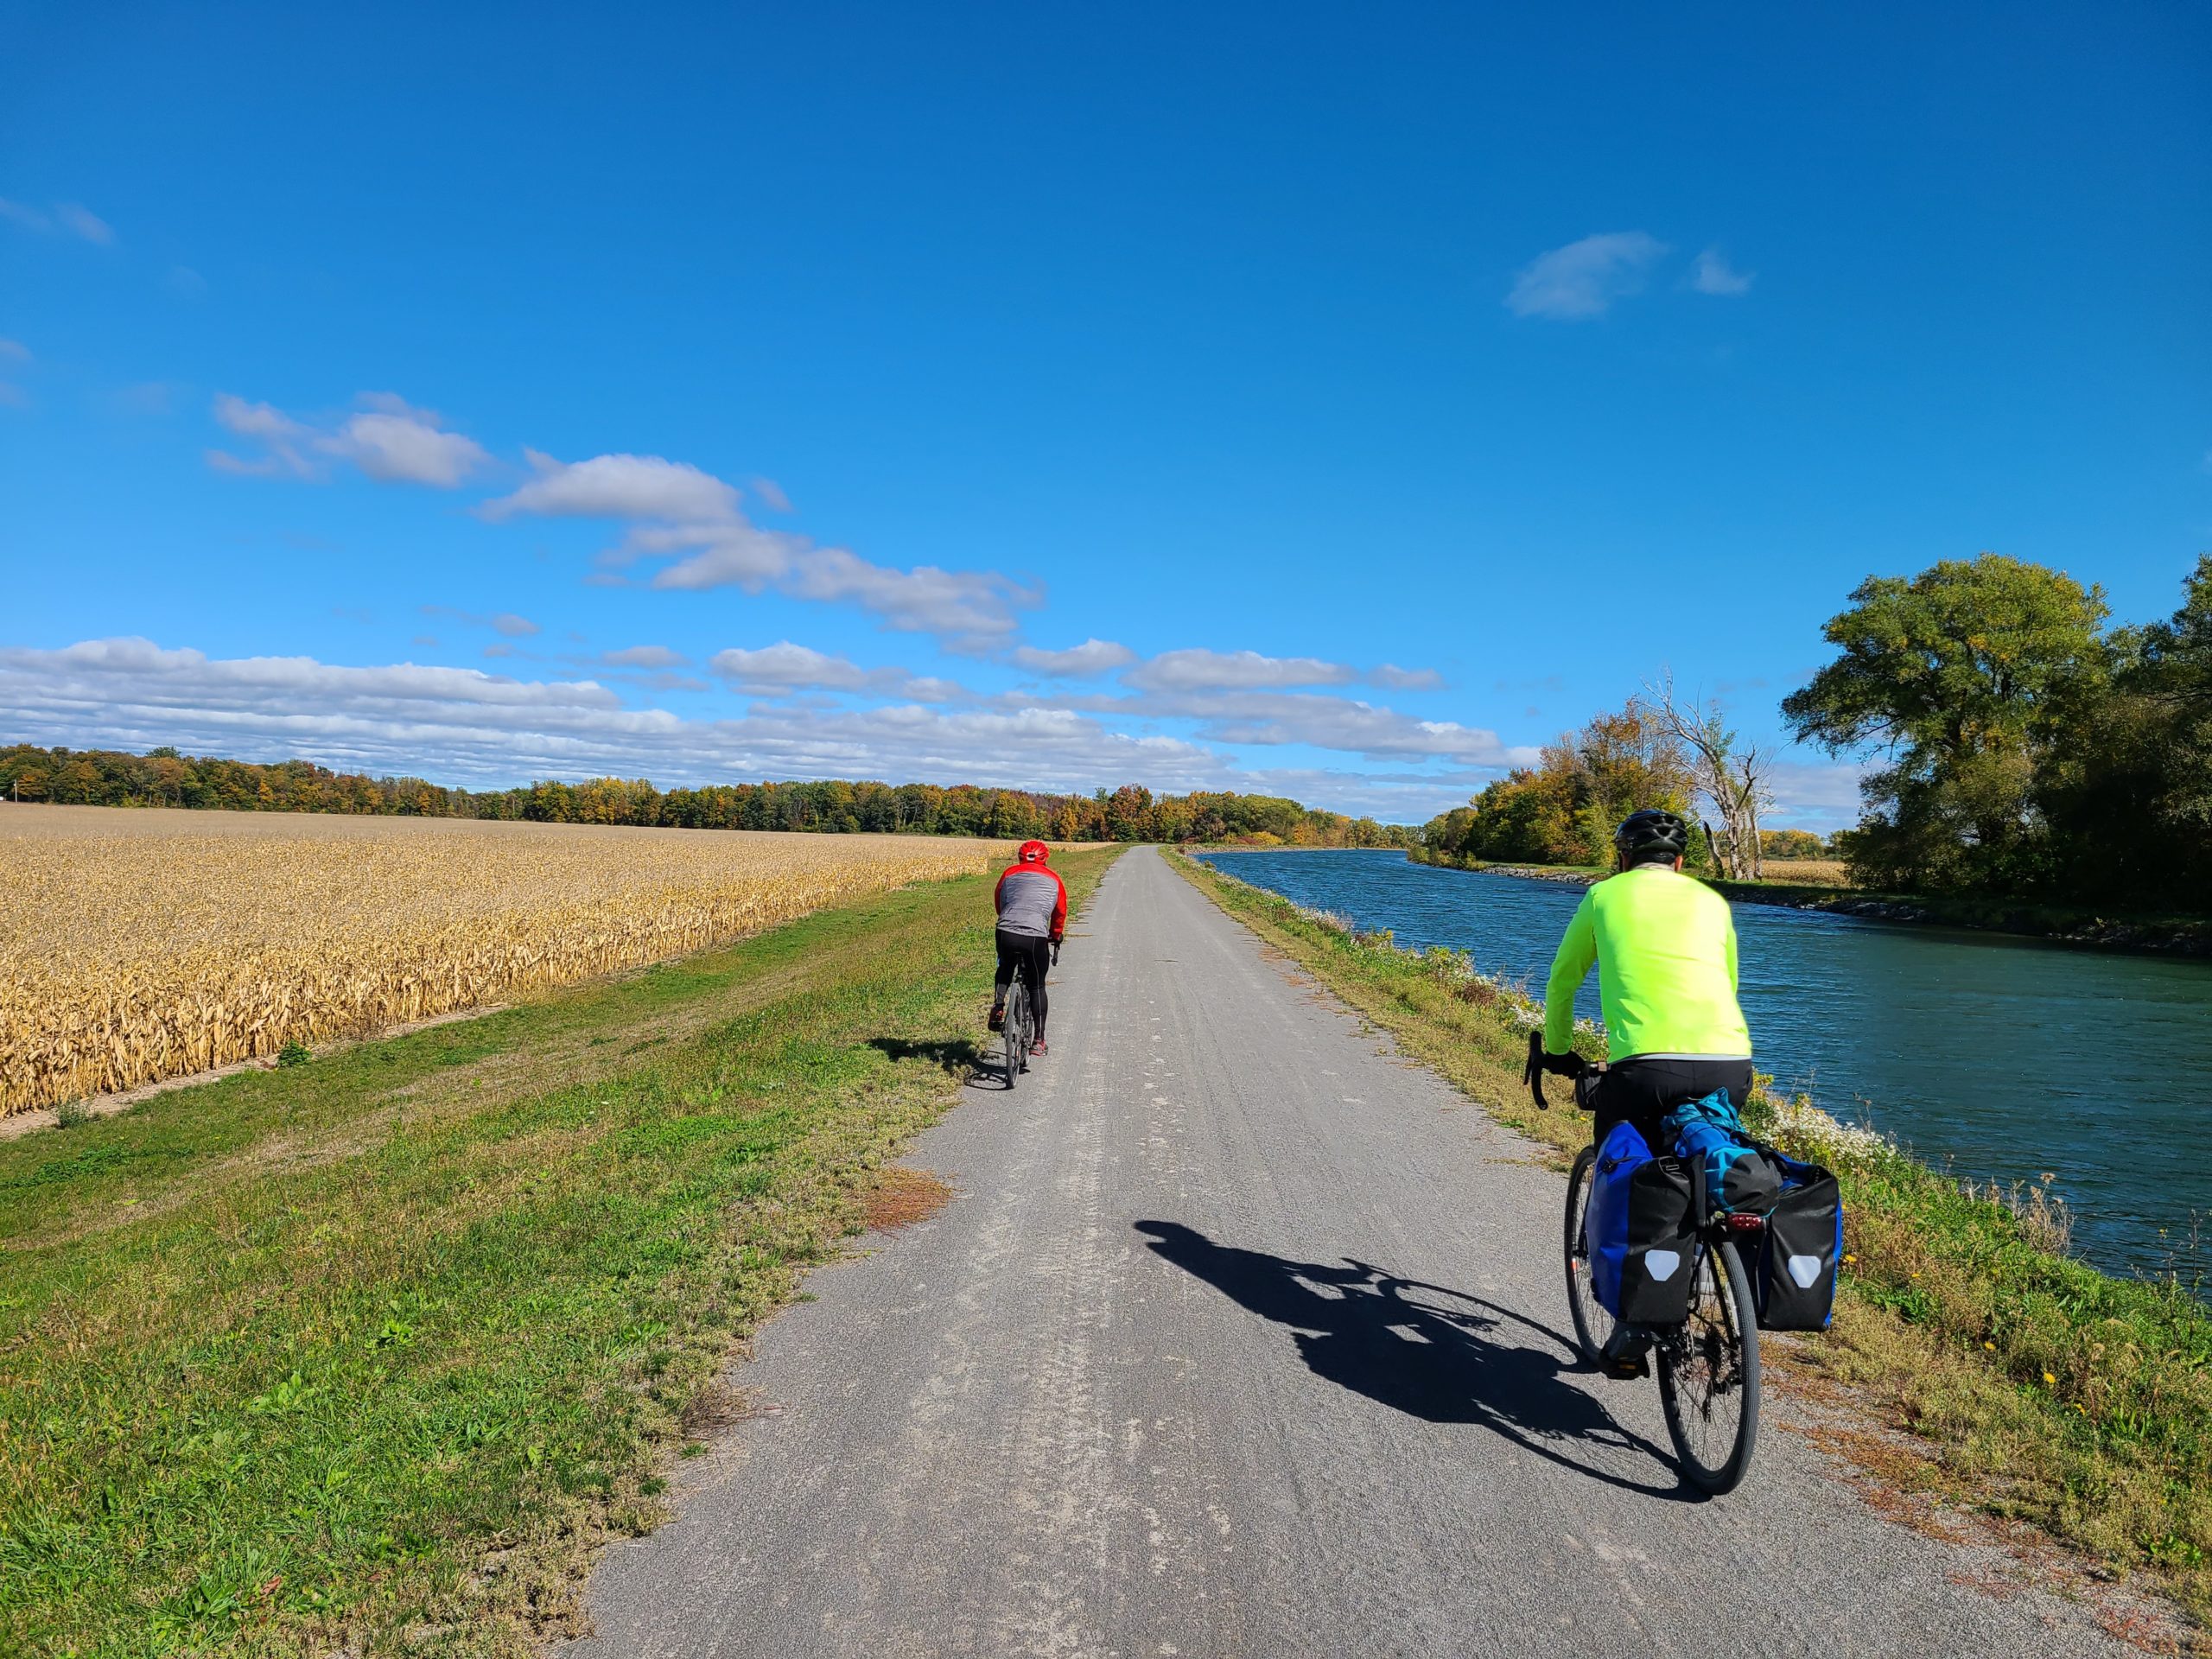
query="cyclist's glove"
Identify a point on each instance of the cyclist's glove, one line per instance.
(1566, 1066)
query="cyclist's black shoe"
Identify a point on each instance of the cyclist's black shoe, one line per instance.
(1625, 1350)
(998, 1017)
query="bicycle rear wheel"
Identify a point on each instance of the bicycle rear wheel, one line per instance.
(1593, 1325)
(1013, 1035)
(1709, 1374)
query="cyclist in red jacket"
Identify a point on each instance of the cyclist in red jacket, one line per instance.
(1033, 908)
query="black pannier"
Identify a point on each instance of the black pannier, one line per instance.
(1802, 1249)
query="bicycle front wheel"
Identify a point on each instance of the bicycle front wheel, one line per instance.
(1709, 1374)
(1593, 1327)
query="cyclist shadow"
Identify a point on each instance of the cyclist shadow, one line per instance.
(1438, 1358)
(959, 1057)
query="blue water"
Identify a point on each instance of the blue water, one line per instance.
(1994, 1056)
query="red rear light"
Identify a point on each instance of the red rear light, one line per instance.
(1746, 1223)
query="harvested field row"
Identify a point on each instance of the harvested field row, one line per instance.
(147, 945)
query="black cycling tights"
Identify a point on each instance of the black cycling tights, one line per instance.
(1643, 1090)
(1030, 956)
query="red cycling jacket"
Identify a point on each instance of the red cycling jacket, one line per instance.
(1031, 902)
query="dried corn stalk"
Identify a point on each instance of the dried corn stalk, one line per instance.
(148, 944)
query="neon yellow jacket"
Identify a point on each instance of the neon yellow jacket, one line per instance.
(1665, 946)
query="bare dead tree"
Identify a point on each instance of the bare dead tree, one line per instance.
(1736, 778)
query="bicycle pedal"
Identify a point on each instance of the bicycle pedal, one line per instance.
(1626, 1353)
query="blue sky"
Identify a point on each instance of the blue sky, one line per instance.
(1327, 400)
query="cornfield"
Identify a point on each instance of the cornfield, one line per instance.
(150, 944)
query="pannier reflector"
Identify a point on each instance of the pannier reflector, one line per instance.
(1804, 1269)
(1660, 1264)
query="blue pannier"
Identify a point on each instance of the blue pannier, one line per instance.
(1641, 1242)
(1741, 1176)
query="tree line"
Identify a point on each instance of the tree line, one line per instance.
(1132, 813)
(2018, 746)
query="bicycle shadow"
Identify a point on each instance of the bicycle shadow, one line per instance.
(1439, 1361)
(956, 1055)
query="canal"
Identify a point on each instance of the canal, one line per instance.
(1993, 1056)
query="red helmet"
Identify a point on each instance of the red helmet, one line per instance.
(1033, 852)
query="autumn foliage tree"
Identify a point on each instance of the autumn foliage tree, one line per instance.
(1563, 810)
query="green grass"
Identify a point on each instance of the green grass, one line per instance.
(2040, 1388)
(365, 1354)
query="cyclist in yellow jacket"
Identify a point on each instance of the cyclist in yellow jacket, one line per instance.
(1664, 944)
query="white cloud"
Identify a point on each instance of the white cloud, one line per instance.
(786, 667)
(14, 351)
(395, 444)
(185, 283)
(645, 657)
(772, 495)
(1315, 719)
(1391, 678)
(618, 487)
(280, 435)
(81, 222)
(69, 216)
(389, 441)
(1814, 796)
(1714, 275)
(148, 398)
(1345, 724)
(1199, 669)
(1583, 278)
(469, 726)
(680, 513)
(466, 725)
(13, 395)
(263, 421)
(506, 623)
(969, 608)
(1077, 662)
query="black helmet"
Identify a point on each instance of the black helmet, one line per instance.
(1652, 833)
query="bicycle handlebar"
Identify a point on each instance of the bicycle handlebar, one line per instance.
(1532, 1073)
(1569, 1064)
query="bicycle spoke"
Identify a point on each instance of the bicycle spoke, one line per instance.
(1709, 1377)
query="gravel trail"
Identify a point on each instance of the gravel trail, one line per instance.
(1244, 1337)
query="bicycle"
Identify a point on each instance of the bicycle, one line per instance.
(1020, 1030)
(1709, 1363)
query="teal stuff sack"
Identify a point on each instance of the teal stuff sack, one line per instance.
(1741, 1177)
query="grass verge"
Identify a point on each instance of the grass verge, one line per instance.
(2040, 1390)
(364, 1354)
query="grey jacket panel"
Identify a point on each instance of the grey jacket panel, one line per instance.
(1027, 898)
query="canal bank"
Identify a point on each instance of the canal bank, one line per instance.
(2186, 936)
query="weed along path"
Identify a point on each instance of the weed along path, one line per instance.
(1242, 1336)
